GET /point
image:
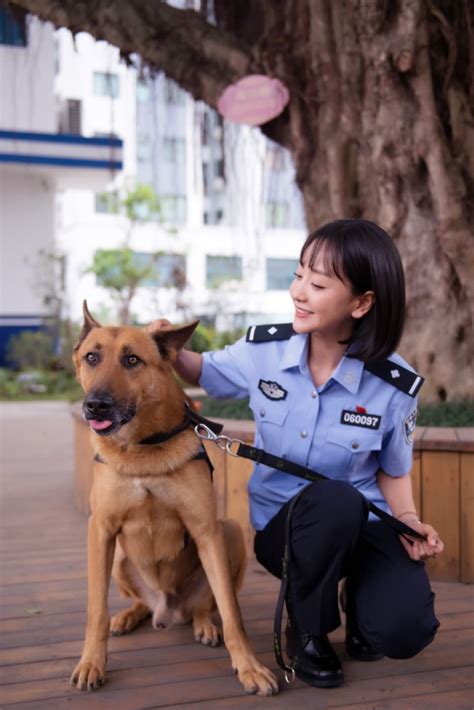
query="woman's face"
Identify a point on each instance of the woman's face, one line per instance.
(324, 304)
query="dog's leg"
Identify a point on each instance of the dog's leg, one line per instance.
(199, 597)
(209, 539)
(89, 673)
(125, 575)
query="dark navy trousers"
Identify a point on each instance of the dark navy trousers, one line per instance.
(387, 591)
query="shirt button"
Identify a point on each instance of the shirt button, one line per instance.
(355, 444)
(262, 412)
(314, 394)
(303, 434)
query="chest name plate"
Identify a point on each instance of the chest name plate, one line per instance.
(367, 421)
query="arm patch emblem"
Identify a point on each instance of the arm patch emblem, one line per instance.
(409, 425)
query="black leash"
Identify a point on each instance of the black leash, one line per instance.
(260, 456)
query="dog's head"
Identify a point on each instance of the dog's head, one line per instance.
(123, 370)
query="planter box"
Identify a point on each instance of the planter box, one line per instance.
(443, 481)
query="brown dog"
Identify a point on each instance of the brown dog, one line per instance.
(153, 524)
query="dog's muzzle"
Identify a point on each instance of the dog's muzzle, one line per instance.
(104, 414)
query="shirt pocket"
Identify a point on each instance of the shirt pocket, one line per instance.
(357, 444)
(270, 418)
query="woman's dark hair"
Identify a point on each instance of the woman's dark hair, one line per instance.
(361, 253)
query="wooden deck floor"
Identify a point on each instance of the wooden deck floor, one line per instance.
(43, 594)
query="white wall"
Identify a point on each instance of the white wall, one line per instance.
(26, 82)
(26, 227)
(77, 63)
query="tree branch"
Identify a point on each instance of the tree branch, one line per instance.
(200, 57)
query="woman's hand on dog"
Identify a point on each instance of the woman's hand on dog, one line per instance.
(156, 325)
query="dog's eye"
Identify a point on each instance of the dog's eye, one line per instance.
(92, 358)
(131, 361)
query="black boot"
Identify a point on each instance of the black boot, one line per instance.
(314, 660)
(357, 645)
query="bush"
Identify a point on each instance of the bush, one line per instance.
(31, 350)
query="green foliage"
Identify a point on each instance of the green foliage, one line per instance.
(39, 385)
(141, 203)
(205, 338)
(117, 269)
(30, 350)
(201, 339)
(454, 414)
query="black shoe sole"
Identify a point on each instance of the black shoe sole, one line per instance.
(365, 656)
(329, 683)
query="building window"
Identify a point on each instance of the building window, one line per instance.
(173, 94)
(163, 270)
(174, 150)
(143, 148)
(222, 268)
(12, 28)
(70, 117)
(106, 202)
(169, 270)
(106, 84)
(173, 209)
(276, 214)
(280, 273)
(142, 91)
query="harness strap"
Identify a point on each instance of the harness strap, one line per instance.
(190, 418)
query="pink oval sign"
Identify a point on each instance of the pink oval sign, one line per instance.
(254, 100)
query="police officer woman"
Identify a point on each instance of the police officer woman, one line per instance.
(330, 393)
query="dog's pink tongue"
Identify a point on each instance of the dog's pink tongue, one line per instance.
(98, 425)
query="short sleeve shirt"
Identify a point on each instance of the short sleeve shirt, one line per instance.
(348, 429)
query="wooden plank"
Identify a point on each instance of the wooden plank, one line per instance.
(467, 517)
(440, 508)
(237, 506)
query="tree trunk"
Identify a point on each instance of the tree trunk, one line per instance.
(380, 125)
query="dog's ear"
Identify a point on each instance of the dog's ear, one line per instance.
(169, 338)
(88, 325)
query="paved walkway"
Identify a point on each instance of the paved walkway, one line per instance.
(43, 595)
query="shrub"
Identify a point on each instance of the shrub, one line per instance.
(31, 350)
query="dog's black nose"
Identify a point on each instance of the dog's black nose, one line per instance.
(98, 404)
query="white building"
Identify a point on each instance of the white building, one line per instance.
(231, 217)
(37, 161)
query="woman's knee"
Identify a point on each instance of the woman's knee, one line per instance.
(405, 635)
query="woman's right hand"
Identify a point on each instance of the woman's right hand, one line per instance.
(156, 325)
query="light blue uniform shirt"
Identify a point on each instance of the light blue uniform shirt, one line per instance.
(303, 423)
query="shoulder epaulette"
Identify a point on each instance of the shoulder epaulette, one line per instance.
(398, 376)
(265, 333)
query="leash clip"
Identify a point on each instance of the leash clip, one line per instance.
(223, 442)
(203, 432)
(289, 675)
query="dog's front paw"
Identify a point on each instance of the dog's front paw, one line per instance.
(88, 674)
(124, 622)
(257, 679)
(206, 632)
